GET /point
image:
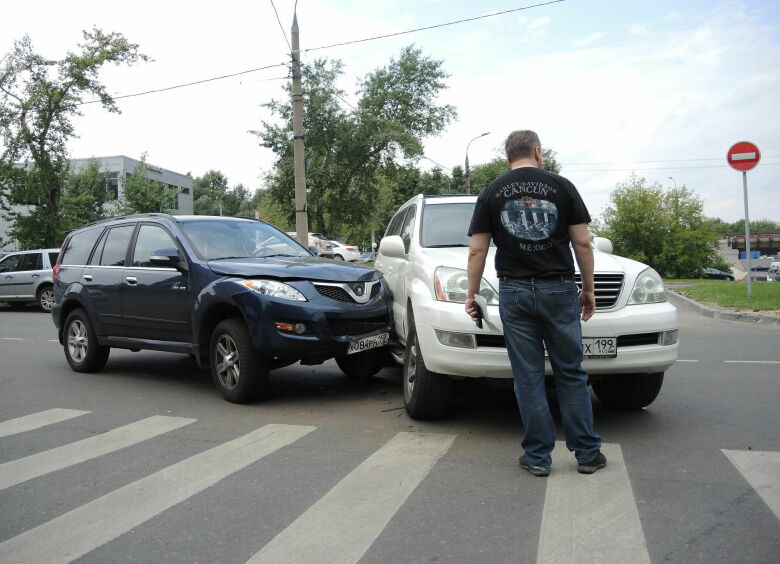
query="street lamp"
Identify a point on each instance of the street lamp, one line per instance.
(468, 180)
(675, 182)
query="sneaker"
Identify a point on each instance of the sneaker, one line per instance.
(589, 467)
(535, 470)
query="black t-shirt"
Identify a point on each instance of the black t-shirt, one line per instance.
(528, 211)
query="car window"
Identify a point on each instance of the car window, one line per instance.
(53, 258)
(115, 248)
(8, 264)
(446, 225)
(30, 261)
(150, 238)
(79, 246)
(221, 239)
(394, 228)
(408, 227)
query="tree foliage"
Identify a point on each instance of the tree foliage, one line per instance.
(141, 194)
(213, 196)
(38, 99)
(352, 155)
(85, 197)
(663, 228)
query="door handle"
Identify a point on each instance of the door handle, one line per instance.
(36, 275)
(9, 276)
(132, 280)
(88, 277)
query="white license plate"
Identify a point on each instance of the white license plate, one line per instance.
(599, 347)
(372, 342)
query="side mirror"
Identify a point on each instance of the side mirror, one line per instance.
(392, 246)
(167, 257)
(603, 244)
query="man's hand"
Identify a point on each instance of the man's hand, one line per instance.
(471, 310)
(587, 304)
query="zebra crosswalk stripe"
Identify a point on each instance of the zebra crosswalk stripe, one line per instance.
(29, 467)
(92, 525)
(343, 524)
(762, 470)
(37, 420)
(590, 518)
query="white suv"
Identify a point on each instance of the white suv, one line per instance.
(628, 344)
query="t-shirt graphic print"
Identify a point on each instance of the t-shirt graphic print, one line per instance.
(529, 219)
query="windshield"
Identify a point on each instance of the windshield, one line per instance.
(446, 225)
(220, 239)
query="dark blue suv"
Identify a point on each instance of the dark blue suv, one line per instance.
(238, 294)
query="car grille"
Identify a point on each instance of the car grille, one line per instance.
(497, 341)
(607, 286)
(354, 327)
(336, 293)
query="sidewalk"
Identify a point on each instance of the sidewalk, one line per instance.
(757, 318)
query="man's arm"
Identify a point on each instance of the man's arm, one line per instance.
(478, 251)
(580, 240)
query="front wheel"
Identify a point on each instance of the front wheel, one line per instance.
(338, 257)
(236, 370)
(46, 299)
(629, 391)
(362, 365)
(82, 350)
(426, 393)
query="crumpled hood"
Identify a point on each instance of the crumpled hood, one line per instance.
(293, 268)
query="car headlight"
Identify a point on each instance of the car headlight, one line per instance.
(648, 289)
(451, 284)
(274, 289)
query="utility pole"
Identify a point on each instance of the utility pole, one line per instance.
(301, 215)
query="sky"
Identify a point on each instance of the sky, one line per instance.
(661, 89)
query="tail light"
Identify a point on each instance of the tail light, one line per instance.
(55, 272)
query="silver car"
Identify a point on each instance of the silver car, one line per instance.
(26, 276)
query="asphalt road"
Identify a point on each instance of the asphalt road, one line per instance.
(145, 462)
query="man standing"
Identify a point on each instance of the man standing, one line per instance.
(532, 216)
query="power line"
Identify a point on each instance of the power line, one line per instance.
(653, 168)
(280, 25)
(187, 84)
(660, 161)
(433, 26)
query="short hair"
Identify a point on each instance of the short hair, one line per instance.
(521, 144)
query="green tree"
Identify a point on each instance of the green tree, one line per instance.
(665, 229)
(484, 174)
(350, 153)
(208, 193)
(38, 99)
(141, 194)
(85, 197)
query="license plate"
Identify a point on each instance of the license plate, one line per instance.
(599, 347)
(372, 342)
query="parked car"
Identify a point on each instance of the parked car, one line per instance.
(628, 344)
(237, 294)
(318, 240)
(342, 251)
(715, 274)
(26, 277)
(367, 256)
(773, 274)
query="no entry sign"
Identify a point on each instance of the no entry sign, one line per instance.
(743, 156)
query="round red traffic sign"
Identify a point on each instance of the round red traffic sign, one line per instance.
(743, 156)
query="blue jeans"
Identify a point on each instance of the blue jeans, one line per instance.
(535, 313)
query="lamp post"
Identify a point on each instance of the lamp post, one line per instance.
(675, 182)
(468, 180)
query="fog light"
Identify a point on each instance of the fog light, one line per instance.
(300, 328)
(460, 340)
(669, 338)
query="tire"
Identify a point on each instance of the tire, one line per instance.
(338, 257)
(46, 298)
(238, 373)
(629, 391)
(426, 393)
(363, 365)
(82, 350)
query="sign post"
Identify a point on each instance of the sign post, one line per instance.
(744, 156)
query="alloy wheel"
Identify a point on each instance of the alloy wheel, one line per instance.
(228, 362)
(47, 299)
(78, 342)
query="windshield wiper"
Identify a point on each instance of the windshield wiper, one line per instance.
(227, 258)
(445, 245)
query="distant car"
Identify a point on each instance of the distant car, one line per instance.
(760, 268)
(342, 251)
(367, 256)
(26, 276)
(773, 275)
(715, 274)
(324, 246)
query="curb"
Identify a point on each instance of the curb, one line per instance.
(687, 303)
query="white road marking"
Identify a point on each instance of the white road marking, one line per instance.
(681, 360)
(590, 518)
(29, 467)
(90, 526)
(752, 361)
(11, 339)
(37, 420)
(343, 524)
(54, 340)
(762, 471)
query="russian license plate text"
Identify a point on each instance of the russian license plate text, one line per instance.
(372, 342)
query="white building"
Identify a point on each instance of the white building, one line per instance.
(118, 168)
